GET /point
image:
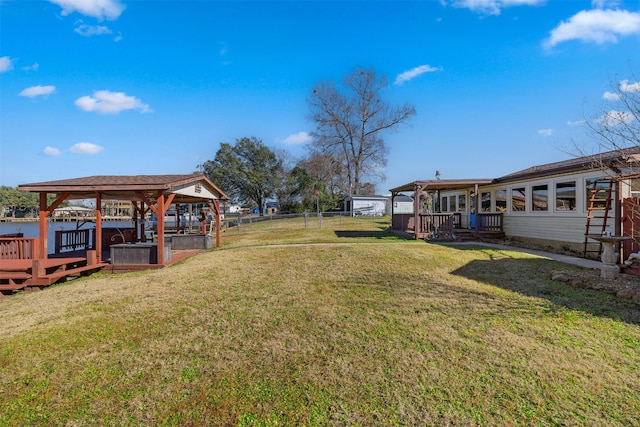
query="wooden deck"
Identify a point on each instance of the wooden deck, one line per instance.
(447, 227)
(20, 274)
(21, 267)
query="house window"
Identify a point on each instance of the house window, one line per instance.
(472, 201)
(501, 200)
(452, 203)
(635, 187)
(597, 190)
(566, 196)
(518, 199)
(486, 202)
(462, 202)
(539, 198)
(443, 204)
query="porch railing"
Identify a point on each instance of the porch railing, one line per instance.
(440, 222)
(490, 221)
(73, 240)
(18, 248)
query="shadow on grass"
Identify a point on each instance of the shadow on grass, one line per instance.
(531, 277)
(371, 234)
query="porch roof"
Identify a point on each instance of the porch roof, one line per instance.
(192, 188)
(440, 184)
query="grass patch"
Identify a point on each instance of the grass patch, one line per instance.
(362, 329)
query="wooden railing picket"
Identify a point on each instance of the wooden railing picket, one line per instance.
(17, 248)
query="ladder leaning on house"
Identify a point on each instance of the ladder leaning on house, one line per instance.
(598, 213)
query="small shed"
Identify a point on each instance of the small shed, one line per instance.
(366, 205)
(402, 204)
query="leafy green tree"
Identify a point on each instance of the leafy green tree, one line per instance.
(21, 203)
(350, 122)
(247, 171)
(295, 183)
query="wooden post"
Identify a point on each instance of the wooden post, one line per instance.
(214, 205)
(92, 257)
(416, 210)
(37, 269)
(160, 227)
(43, 214)
(476, 206)
(43, 229)
(99, 226)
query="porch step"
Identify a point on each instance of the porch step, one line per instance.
(12, 286)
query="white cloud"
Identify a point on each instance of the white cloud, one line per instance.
(100, 9)
(626, 87)
(39, 90)
(106, 102)
(413, 73)
(91, 30)
(34, 67)
(51, 151)
(223, 50)
(576, 123)
(86, 148)
(6, 64)
(545, 132)
(601, 4)
(598, 26)
(492, 7)
(615, 118)
(297, 138)
(610, 96)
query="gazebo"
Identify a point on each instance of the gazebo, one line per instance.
(155, 192)
(26, 261)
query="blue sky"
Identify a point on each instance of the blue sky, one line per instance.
(99, 87)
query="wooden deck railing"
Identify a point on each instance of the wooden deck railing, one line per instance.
(439, 222)
(73, 240)
(18, 248)
(490, 221)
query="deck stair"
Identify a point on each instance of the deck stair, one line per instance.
(24, 274)
(599, 211)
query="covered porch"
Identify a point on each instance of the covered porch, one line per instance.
(430, 221)
(29, 262)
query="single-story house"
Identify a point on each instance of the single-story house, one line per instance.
(558, 204)
(366, 205)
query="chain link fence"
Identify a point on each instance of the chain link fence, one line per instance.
(322, 220)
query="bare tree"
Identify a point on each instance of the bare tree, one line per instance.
(349, 125)
(616, 127)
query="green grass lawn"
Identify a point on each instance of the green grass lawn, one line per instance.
(344, 327)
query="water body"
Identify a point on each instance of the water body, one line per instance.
(31, 229)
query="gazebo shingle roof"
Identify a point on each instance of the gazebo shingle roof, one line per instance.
(119, 185)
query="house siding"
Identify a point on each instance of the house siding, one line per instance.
(563, 227)
(552, 226)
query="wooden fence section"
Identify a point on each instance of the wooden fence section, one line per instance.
(18, 248)
(73, 240)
